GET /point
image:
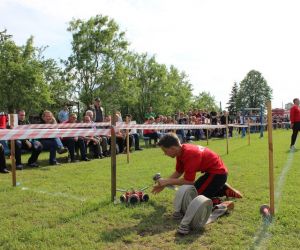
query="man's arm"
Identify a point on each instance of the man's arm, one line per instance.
(175, 175)
(172, 180)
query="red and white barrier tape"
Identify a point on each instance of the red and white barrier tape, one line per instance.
(168, 126)
(36, 131)
(237, 126)
(20, 134)
(65, 125)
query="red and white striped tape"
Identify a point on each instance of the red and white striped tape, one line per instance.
(37, 131)
(65, 125)
(20, 134)
(167, 126)
(237, 126)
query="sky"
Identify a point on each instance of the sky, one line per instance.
(215, 42)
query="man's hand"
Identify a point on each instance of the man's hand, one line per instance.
(160, 185)
(292, 125)
(157, 189)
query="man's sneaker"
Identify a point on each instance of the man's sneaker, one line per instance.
(54, 163)
(33, 165)
(62, 150)
(226, 204)
(292, 148)
(231, 192)
(85, 159)
(20, 167)
(177, 215)
(4, 171)
(184, 230)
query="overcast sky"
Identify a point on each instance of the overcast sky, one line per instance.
(216, 42)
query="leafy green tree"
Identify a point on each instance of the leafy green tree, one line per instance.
(4, 36)
(21, 77)
(28, 80)
(179, 91)
(155, 85)
(254, 90)
(97, 46)
(233, 105)
(205, 101)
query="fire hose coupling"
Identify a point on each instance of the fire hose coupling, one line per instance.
(157, 176)
(266, 213)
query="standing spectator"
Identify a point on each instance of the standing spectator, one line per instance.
(3, 168)
(97, 110)
(149, 113)
(181, 119)
(295, 121)
(30, 145)
(214, 118)
(63, 115)
(223, 122)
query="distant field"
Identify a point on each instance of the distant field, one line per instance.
(68, 207)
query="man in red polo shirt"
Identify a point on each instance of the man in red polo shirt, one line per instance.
(191, 159)
(295, 121)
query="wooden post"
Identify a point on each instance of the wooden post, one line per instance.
(127, 140)
(12, 153)
(227, 133)
(207, 136)
(271, 167)
(113, 158)
(249, 132)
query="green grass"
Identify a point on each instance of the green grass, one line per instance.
(68, 207)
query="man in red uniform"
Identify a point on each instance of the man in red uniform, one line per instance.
(295, 121)
(191, 159)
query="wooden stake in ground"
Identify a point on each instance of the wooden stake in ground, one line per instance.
(249, 132)
(113, 158)
(12, 153)
(271, 167)
(227, 133)
(207, 136)
(127, 140)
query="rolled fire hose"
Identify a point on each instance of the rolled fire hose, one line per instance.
(184, 195)
(196, 209)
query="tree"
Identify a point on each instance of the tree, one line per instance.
(60, 87)
(4, 36)
(28, 80)
(233, 105)
(21, 77)
(205, 101)
(96, 50)
(254, 90)
(155, 85)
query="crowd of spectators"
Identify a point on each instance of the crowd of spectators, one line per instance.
(84, 148)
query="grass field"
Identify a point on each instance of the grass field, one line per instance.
(68, 207)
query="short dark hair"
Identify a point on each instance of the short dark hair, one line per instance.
(169, 140)
(295, 100)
